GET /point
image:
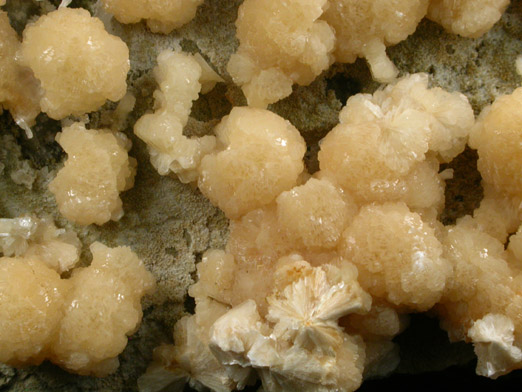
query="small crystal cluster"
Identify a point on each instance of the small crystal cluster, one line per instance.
(80, 323)
(180, 78)
(287, 42)
(78, 64)
(28, 236)
(87, 189)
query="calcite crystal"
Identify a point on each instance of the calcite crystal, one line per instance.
(78, 64)
(80, 323)
(98, 168)
(162, 16)
(494, 345)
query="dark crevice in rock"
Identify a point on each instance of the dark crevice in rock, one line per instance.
(343, 86)
(464, 191)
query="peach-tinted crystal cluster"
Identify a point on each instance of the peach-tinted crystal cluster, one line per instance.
(319, 273)
(388, 145)
(180, 77)
(281, 43)
(254, 156)
(258, 155)
(80, 323)
(78, 64)
(468, 18)
(483, 301)
(364, 29)
(87, 189)
(162, 16)
(287, 42)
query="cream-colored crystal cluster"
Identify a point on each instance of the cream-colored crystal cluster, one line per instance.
(180, 77)
(287, 42)
(254, 156)
(280, 43)
(66, 65)
(483, 302)
(258, 155)
(78, 64)
(162, 16)
(388, 145)
(80, 323)
(468, 18)
(320, 270)
(319, 274)
(87, 189)
(364, 29)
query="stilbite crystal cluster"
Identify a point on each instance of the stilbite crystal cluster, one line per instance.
(259, 155)
(80, 323)
(364, 29)
(181, 77)
(469, 18)
(483, 302)
(320, 277)
(78, 64)
(321, 269)
(87, 189)
(282, 43)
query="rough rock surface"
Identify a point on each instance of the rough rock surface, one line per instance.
(169, 224)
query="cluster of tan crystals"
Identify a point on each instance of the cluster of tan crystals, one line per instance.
(287, 42)
(180, 78)
(78, 64)
(67, 64)
(320, 271)
(44, 316)
(97, 169)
